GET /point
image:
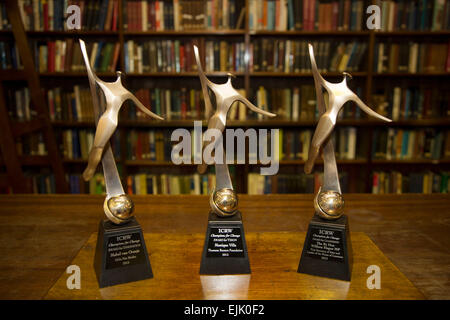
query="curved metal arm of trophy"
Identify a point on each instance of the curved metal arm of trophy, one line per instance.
(225, 95)
(338, 95)
(115, 95)
(204, 81)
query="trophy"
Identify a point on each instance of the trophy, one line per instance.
(327, 250)
(121, 255)
(225, 249)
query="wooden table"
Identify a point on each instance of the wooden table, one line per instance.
(41, 235)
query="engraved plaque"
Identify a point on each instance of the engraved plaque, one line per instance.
(124, 250)
(325, 244)
(225, 242)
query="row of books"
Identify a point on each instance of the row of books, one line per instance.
(76, 144)
(178, 56)
(18, 102)
(290, 183)
(283, 55)
(280, 15)
(50, 15)
(31, 144)
(144, 183)
(10, 57)
(422, 15)
(267, 54)
(65, 55)
(70, 105)
(149, 15)
(308, 15)
(399, 103)
(411, 57)
(297, 103)
(173, 104)
(416, 182)
(403, 144)
(43, 183)
(294, 144)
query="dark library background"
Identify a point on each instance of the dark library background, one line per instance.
(401, 71)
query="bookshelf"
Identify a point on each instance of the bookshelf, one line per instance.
(360, 169)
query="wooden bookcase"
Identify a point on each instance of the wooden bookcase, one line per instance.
(360, 169)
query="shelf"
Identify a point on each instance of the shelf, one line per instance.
(79, 124)
(265, 123)
(71, 33)
(27, 160)
(75, 161)
(19, 75)
(73, 74)
(282, 163)
(411, 33)
(319, 162)
(12, 75)
(419, 123)
(139, 75)
(217, 32)
(80, 161)
(307, 33)
(150, 123)
(418, 74)
(411, 161)
(184, 74)
(303, 74)
(154, 163)
(20, 128)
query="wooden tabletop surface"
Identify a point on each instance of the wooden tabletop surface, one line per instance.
(40, 235)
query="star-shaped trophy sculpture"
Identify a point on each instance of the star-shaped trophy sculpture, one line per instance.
(225, 221)
(327, 248)
(121, 230)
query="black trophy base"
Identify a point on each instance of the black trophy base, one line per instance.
(121, 255)
(327, 251)
(225, 249)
